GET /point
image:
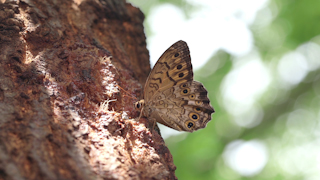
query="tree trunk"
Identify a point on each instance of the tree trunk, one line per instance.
(62, 113)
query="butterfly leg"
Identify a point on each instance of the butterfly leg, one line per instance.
(140, 116)
(153, 125)
(156, 128)
(152, 122)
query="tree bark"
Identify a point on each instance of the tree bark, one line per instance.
(62, 113)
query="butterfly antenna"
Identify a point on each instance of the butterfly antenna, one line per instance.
(130, 96)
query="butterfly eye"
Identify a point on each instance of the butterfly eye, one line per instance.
(138, 105)
(179, 66)
(194, 116)
(176, 55)
(192, 96)
(189, 124)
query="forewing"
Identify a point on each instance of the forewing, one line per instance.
(173, 68)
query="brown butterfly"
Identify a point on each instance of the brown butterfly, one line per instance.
(171, 96)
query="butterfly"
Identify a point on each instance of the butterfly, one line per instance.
(171, 96)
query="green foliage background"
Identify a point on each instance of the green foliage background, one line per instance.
(200, 154)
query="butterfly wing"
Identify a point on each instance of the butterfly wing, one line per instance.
(184, 107)
(173, 67)
(172, 97)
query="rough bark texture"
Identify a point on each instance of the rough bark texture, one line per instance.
(62, 115)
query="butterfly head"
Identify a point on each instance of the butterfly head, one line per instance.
(139, 105)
